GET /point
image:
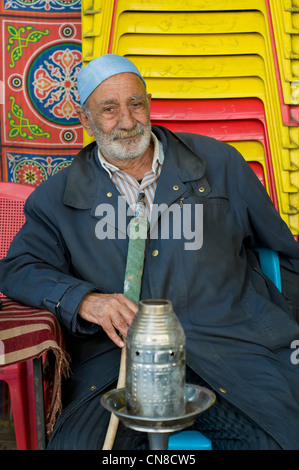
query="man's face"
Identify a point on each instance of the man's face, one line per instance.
(119, 117)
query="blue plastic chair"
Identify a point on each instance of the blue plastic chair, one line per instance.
(189, 440)
(269, 261)
(194, 440)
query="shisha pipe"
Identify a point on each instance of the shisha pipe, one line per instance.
(132, 285)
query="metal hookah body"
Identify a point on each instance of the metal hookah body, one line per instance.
(156, 362)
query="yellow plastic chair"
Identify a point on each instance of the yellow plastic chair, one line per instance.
(286, 30)
(96, 21)
(193, 5)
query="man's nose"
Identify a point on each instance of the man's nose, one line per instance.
(126, 119)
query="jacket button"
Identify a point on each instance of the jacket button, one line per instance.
(175, 187)
(222, 390)
(201, 189)
(155, 253)
(93, 387)
(109, 194)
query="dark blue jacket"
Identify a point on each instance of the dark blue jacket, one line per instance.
(239, 328)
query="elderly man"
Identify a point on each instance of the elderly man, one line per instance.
(70, 258)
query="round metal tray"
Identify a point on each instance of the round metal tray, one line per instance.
(198, 399)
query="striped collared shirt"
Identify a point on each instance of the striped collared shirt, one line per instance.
(129, 187)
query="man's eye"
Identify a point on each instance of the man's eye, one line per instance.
(110, 109)
(137, 105)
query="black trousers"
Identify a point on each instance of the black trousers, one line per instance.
(226, 426)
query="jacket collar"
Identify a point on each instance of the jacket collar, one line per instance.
(180, 166)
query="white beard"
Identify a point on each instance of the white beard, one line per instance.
(114, 147)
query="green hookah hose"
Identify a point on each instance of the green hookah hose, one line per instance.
(135, 259)
(132, 285)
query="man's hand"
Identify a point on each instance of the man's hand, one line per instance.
(111, 311)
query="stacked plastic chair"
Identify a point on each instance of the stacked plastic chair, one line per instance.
(284, 27)
(228, 69)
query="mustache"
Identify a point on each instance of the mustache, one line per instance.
(125, 134)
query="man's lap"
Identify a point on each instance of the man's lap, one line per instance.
(226, 426)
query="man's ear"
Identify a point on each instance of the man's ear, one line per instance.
(84, 119)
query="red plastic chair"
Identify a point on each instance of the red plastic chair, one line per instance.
(19, 377)
(12, 200)
(226, 119)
